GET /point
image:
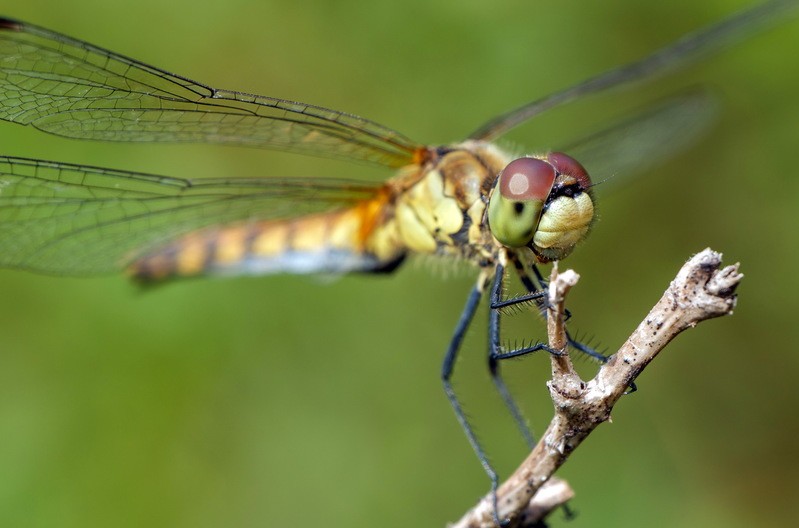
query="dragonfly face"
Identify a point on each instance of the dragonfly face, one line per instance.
(543, 204)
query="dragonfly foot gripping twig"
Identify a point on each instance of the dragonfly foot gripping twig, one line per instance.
(701, 290)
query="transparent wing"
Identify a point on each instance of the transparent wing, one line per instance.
(71, 88)
(678, 54)
(647, 139)
(69, 219)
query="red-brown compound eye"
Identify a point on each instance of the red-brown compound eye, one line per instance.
(515, 208)
(569, 166)
(527, 179)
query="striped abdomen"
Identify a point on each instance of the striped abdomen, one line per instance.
(339, 241)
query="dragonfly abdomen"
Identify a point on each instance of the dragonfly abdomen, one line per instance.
(333, 242)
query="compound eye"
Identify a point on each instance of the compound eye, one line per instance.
(516, 205)
(526, 179)
(569, 166)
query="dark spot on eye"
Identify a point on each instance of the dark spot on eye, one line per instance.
(518, 207)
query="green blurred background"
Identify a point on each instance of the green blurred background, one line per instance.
(304, 401)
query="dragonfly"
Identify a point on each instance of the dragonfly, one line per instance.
(473, 201)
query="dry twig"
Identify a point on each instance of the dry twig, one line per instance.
(700, 291)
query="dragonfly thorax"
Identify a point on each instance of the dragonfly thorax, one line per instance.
(542, 203)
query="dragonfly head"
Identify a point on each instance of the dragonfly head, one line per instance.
(542, 203)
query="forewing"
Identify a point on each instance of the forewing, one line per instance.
(71, 88)
(676, 55)
(68, 219)
(647, 139)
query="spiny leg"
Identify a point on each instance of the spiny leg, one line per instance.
(494, 355)
(538, 291)
(534, 287)
(446, 374)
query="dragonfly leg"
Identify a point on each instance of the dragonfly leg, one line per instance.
(495, 349)
(447, 369)
(537, 285)
(540, 290)
(585, 349)
(494, 355)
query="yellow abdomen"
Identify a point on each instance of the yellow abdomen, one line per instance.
(345, 240)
